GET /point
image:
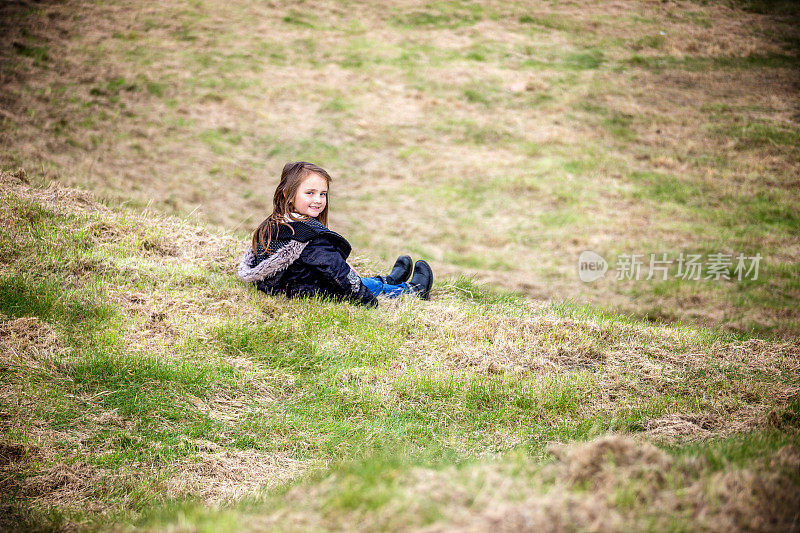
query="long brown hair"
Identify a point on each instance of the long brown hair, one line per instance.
(292, 177)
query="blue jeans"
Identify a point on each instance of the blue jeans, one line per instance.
(377, 287)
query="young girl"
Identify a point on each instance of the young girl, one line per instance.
(295, 253)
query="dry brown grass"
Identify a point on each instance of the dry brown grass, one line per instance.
(683, 427)
(27, 340)
(31, 346)
(741, 500)
(688, 28)
(614, 483)
(158, 317)
(54, 196)
(673, 104)
(218, 475)
(515, 344)
(467, 345)
(69, 486)
(31, 349)
(36, 475)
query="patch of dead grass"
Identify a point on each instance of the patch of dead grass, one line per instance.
(69, 486)
(676, 103)
(613, 483)
(749, 500)
(602, 462)
(687, 28)
(27, 340)
(218, 475)
(660, 358)
(231, 406)
(682, 427)
(513, 344)
(743, 499)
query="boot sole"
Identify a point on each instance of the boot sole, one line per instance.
(425, 294)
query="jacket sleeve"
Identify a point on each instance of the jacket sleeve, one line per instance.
(329, 264)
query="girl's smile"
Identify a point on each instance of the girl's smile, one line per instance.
(312, 196)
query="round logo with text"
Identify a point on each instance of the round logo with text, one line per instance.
(591, 266)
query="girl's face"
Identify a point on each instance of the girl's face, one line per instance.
(312, 196)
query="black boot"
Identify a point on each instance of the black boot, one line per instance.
(422, 280)
(400, 272)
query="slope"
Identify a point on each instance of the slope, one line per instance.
(144, 385)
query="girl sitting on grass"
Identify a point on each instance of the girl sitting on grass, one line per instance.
(295, 253)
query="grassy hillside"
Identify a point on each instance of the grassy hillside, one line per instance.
(143, 387)
(142, 381)
(529, 131)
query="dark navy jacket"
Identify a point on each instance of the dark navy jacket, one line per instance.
(305, 259)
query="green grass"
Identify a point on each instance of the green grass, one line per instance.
(553, 22)
(220, 139)
(664, 188)
(38, 53)
(782, 8)
(649, 41)
(760, 134)
(544, 59)
(21, 297)
(697, 64)
(440, 15)
(615, 123)
(588, 60)
(299, 18)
